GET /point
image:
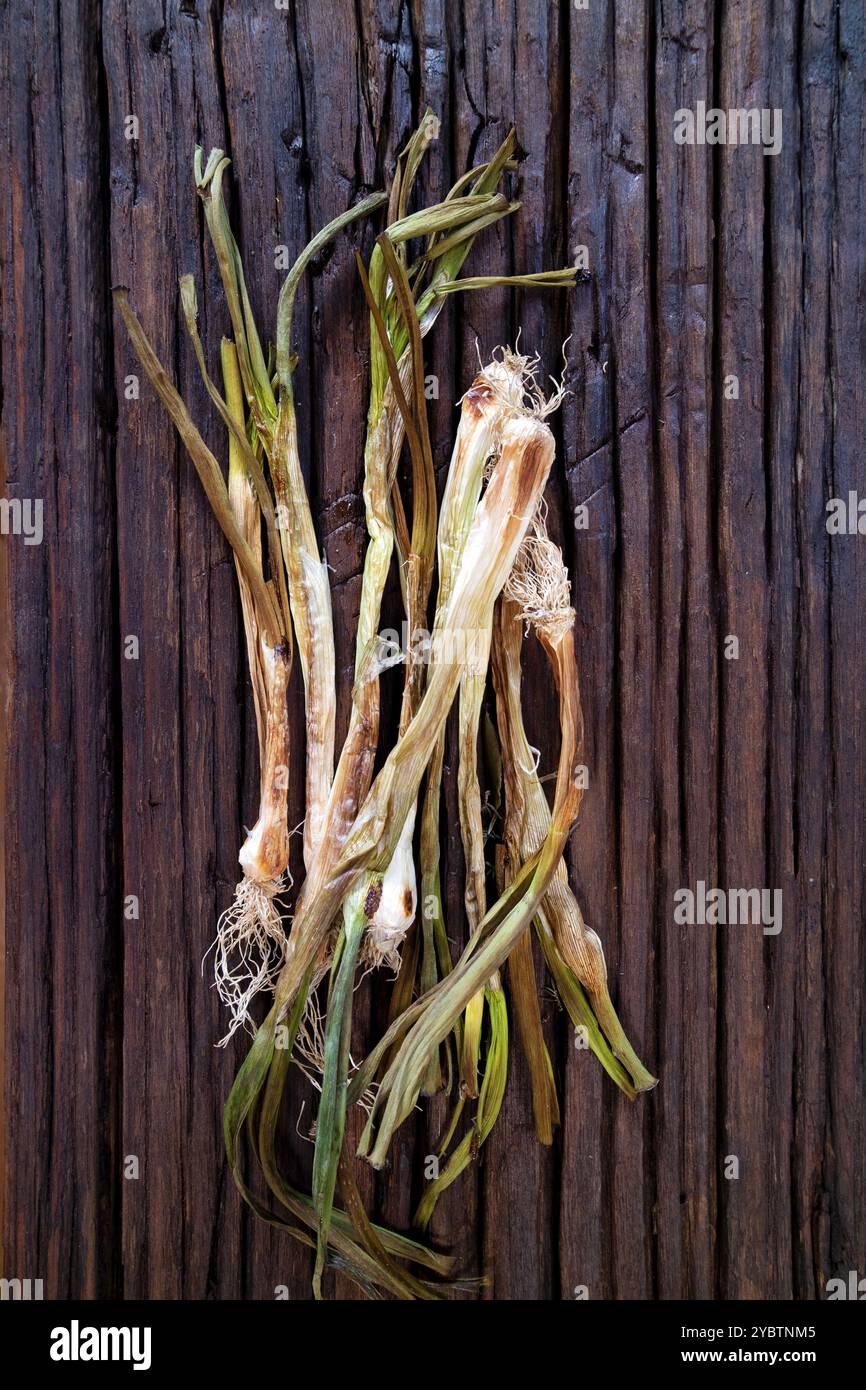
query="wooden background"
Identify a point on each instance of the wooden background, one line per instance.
(706, 519)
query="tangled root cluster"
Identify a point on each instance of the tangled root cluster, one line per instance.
(249, 950)
(513, 381)
(309, 1053)
(538, 583)
(381, 947)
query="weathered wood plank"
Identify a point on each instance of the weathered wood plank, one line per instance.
(845, 1137)
(686, 674)
(813, 445)
(741, 540)
(62, 981)
(630, 376)
(782, 347)
(584, 1232)
(179, 699)
(706, 517)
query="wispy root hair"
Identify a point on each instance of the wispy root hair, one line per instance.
(381, 948)
(512, 378)
(538, 583)
(249, 950)
(309, 1050)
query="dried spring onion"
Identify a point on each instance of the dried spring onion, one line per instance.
(505, 511)
(425, 1024)
(389, 896)
(251, 942)
(537, 593)
(356, 908)
(379, 829)
(241, 509)
(514, 393)
(352, 776)
(573, 952)
(541, 585)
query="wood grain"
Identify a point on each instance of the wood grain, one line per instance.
(132, 775)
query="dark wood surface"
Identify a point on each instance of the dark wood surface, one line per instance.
(706, 519)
